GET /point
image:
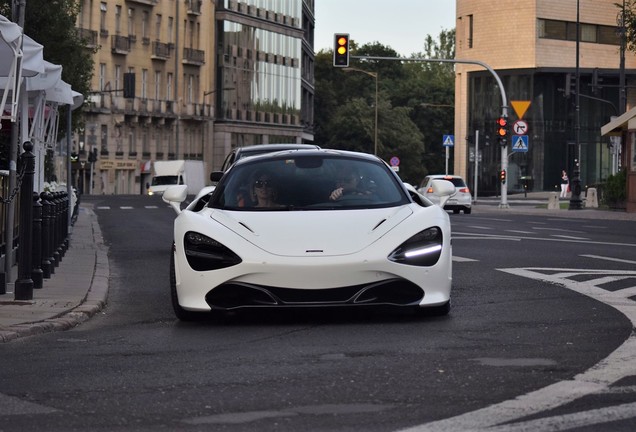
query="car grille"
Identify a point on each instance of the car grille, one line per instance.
(395, 292)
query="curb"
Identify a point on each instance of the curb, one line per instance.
(94, 301)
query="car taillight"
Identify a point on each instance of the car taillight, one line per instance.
(465, 190)
(429, 190)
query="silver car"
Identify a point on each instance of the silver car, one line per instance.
(461, 201)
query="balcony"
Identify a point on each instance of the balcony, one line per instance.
(120, 44)
(90, 36)
(193, 56)
(160, 51)
(194, 7)
(144, 2)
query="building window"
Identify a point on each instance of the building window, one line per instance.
(102, 16)
(157, 85)
(566, 30)
(118, 19)
(117, 78)
(470, 31)
(144, 83)
(131, 22)
(169, 87)
(170, 29)
(102, 76)
(104, 136)
(131, 141)
(158, 27)
(144, 24)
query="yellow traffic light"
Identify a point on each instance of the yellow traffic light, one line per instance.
(341, 50)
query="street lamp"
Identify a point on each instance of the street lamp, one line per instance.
(375, 76)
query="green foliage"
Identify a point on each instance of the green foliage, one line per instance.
(415, 105)
(630, 22)
(615, 189)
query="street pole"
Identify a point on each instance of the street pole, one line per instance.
(476, 165)
(575, 198)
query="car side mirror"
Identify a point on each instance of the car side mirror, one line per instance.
(444, 190)
(174, 196)
(215, 176)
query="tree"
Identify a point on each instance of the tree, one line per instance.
(415, 103)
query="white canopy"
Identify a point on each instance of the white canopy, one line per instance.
(21, 56)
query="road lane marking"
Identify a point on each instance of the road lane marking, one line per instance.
(126, 207)
(520, 232)
(103, 208)
(462, 259)
(558, 229)
(570, 237)
(609, 259)
(599, 379)
(10, 405)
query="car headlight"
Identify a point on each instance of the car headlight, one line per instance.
(204, 253)
(423, 249)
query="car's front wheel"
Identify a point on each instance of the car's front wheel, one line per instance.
(181, 313)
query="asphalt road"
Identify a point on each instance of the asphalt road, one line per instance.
(536, 313)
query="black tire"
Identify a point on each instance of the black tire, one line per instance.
(455, 211)
(181, 313)
(467, 211)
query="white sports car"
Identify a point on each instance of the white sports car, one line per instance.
(311, 229)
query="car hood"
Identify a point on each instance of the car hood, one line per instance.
(313, 233)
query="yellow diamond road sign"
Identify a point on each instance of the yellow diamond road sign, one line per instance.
(520, 107)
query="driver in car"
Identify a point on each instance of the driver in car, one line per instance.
(347, 184)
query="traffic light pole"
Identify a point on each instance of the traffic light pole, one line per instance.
(504, 103)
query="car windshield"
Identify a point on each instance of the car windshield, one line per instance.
(303, 182)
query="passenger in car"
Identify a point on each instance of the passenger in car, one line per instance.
(264, 190)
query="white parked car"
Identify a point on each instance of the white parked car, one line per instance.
(461, 201)
(315, 228)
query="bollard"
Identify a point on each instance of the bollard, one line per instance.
(46, 235)
(56, 229)
(553, 201)
(591, 198)
(36, 256)
(24, 284)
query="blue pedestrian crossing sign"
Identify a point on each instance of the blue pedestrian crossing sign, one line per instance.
(448, 141)
(520, 143)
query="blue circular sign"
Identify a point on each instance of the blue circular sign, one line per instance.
(395, 161)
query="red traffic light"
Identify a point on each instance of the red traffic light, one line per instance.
(502, 176)
(341, 50)
(502, 126)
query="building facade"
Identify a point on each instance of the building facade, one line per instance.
(190, 79)
(532, 45)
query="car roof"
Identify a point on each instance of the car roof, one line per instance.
(262, 148)
(316, 151)
(444, 176)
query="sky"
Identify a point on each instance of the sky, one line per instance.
(400, 24)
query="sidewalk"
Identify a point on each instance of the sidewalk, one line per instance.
(536, 203)
(76, 291)
(79, 287)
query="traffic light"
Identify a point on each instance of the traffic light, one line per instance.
(502, 129)
(341, 50)
(502, 176)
